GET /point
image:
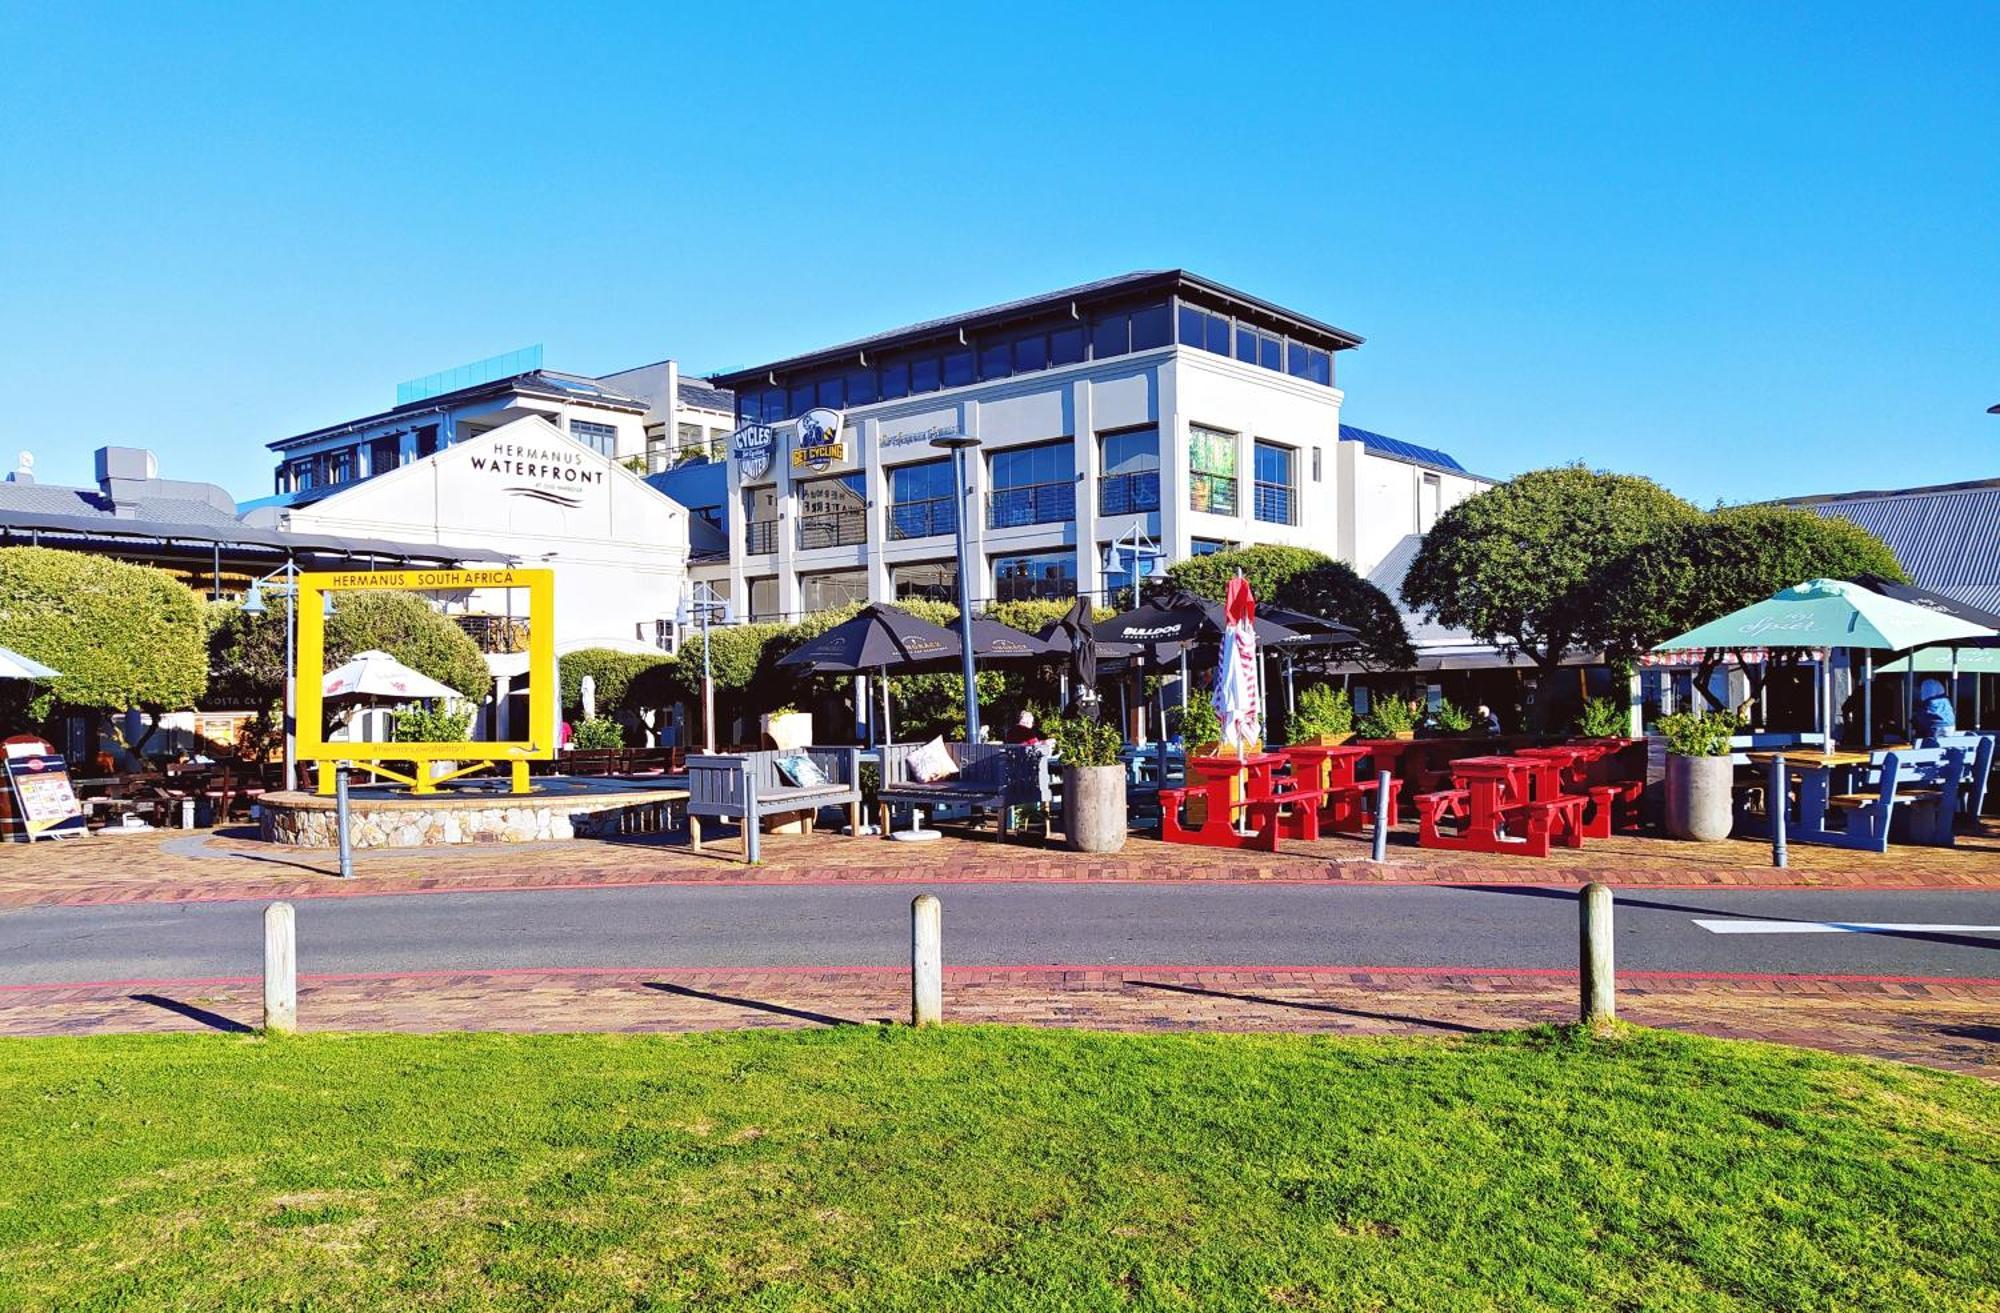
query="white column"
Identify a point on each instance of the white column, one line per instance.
(973, 507)
(877, 491)
(1173, 463)
(1089, 464)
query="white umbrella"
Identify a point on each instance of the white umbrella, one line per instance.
(379, 675)
(15, 666)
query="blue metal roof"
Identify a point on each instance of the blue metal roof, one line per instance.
(1397, 449)
(1948, 538)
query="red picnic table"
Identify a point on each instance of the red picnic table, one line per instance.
(1249, 804)
(1335, 768)
(1588, 769)
(1492, 799)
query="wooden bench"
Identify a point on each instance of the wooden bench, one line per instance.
(1910, 794)
(1345, 810)
(747, 787)
(996, 777)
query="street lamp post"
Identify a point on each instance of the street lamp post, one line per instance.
(958, 444)
(253, 604)
(703, 599)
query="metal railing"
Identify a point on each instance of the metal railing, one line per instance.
(1274, 503)
(494, 633)
(924, 518)
(1213, 493)
(839, 529)
(1031, 503)
(760, 537)
(1121, 494)
(1028, 588)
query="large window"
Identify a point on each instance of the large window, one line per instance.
(1032, 485)
(384, 454)
(1277, 484)
(1027, 575)
(600, 438)
(1131, 479)
(922, 500)
(763, 600)
(1211, 470)
(930, 581)
(824, 592)
(833, 512)
(760, 520)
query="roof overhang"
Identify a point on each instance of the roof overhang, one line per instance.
(244, 538)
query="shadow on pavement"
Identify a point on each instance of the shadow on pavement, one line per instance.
(213, 1020)
(754, 1005)
(1454, 1026)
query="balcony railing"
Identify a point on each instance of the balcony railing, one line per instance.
(1213, 493)
(1274, 503)
(1031, 503)
(493, 633)
(924, 518)
(840, 529)
(1028, 588)
(760, 537)
(1122, 494)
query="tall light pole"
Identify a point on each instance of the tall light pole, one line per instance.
(958, 444)
(253, 604)
(703, 600)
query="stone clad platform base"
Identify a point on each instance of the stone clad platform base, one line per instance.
(557, 809)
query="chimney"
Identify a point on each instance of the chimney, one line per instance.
(25, 471)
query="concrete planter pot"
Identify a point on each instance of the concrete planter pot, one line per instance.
(1094, 808)
(789, 732)
(1698, 798)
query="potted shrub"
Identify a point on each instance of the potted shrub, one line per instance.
(1093, 785)
(599, 732)
(1603, 718)
(1698, 774)
(1325, 717)
(789, 729)
(1201, 728)
(1389, 717)
(1452, 720)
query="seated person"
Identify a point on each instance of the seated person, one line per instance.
(1935, 715)
(1484, 721)
(1023, 730)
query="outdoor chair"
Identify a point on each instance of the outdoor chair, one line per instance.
(996, 777)
(1979, 749)
(747, 786)
(1910, 793)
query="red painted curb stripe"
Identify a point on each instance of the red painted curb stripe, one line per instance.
(1039, 968)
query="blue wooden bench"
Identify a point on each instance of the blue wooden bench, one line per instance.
(747, 786)
(1910, 794)
(1980, 747)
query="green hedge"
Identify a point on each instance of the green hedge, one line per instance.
(1309, 581)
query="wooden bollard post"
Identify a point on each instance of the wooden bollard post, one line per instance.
(1600, 993)
(926, 961)
(281, 970)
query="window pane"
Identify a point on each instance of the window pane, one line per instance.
(924, 374)
(1295, 359)
(860, 386)
(1193, 325)
(832, 392)
(1149, 327)
(1034, 574)
(1111, 335)
(1136, 450)
(1268, 351)
(958, 367)
(802, 399)
(1066, 345)
(1031, 353)
(1319, 367)
(1218, 334)
(1246, 345)
(895, 378)
(996, 360)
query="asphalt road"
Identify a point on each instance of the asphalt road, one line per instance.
(1003, 924)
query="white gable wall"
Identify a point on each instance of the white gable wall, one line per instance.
(617, 545)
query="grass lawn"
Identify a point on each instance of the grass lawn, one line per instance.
(988, 1168)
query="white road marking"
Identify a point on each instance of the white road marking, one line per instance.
(1737, 926)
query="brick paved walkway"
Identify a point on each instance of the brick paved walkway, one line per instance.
(1932, 1023)
(172, 866)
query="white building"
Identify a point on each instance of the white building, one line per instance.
(1159, 404)
(537, 495)
(646, 416)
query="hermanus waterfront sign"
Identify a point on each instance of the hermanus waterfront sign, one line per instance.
(550, 474)
(818, 443)
(753, 446)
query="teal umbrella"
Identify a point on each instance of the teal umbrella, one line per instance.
(1939, 661)
(1829, 613)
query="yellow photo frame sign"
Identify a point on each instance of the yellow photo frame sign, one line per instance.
(313, 588)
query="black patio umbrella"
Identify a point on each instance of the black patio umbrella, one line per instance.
(1174, 617)
(1931, 600)
(1075, 627)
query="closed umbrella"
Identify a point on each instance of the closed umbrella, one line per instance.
(1081, 640)
(15, 666)
(1238, 699)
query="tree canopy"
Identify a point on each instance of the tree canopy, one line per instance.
(1546, 562)
(1309, 581)
(247, 652)
(122, 636)
(622, 680)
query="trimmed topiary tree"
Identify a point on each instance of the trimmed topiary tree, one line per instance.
(123, 636)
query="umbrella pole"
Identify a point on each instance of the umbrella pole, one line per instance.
(1826, 698)
(1184, 685)
(882, 678)
(1954, 684)
(1867, 699)
(1909, 692)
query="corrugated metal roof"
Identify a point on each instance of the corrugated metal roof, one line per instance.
(1397, 449)
(696, 392)
(1948, 539)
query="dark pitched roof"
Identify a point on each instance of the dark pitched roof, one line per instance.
(535, 383)
(1397, 449)
(1947, 536)
(698, 392)
(1136, 283)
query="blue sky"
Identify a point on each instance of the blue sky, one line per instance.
(1747, 250)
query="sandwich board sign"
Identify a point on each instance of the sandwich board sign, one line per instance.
(45, 805)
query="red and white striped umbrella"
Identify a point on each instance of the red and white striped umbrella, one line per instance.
(1238, 698)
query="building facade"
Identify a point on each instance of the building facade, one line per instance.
(1160, 409)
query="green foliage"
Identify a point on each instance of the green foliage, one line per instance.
(1057, 1169)
(1033, 615)
(1546, 562)
(1451, 718)
(1081, 741)
(1694, 734)
(431, 724)
(409, 628)
(1308, 581)
(1199, 724)
(1323, 710)
(622, 679)
(1603, 718)
(596, 733)
(121, 635)
(1388, 715)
